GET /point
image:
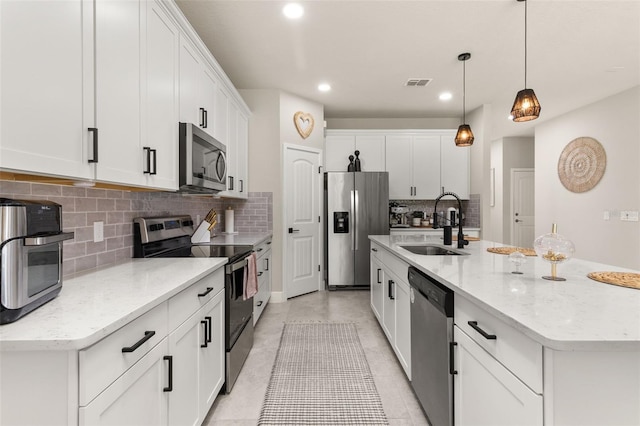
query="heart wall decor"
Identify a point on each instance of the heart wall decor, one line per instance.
(304, 123)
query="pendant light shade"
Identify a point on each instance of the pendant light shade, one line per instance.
(464, 137)
(526, 106)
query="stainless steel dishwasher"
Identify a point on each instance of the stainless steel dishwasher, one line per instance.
(431, 346)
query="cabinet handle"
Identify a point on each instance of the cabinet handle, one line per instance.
(391, 295)
(147, 152)
(267, 260)
(206, 118)
(374, 249)
(170, 359)
(259, 303)
(206, 332)
(208, 319)
(155, 154)
(209, 290)
(241, 185)
(379, 270)
(474, 325)
(260, 249)
(147, 335)
(202, 117)
(452, 345)
(260, 273)
(95, 144)
(230, 183)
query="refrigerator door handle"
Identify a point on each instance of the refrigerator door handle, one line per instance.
(355, 219)
(353, 222)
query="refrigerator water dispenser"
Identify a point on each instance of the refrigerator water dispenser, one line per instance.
(340, 222)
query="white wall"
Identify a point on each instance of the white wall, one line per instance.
(393, 123)
(479, 120)
(272, 125)
(507, 154)
(614, 122)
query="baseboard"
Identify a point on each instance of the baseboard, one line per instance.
(277, 297)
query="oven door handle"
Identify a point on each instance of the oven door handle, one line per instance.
(235, 266)
(49, 239)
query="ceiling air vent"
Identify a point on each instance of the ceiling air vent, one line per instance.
(418, 82)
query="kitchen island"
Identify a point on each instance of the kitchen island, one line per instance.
(565, 353)
(104, 350)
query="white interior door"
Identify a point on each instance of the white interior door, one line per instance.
(302, 227)
(522, 207)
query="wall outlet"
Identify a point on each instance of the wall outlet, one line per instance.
(98, 231)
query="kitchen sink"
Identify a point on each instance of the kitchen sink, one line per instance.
(433, 250)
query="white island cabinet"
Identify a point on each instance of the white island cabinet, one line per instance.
(148, 349)
(527, 351)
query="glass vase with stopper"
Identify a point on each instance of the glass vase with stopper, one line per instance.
(553, 248)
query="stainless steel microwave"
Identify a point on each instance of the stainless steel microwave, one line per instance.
(203, 163)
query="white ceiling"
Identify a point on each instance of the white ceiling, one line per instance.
(578, 52)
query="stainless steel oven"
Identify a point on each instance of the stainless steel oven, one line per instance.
(202, 161)
(31, 255)
(170, 236)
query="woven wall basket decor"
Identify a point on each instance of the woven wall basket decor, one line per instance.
(582, 164)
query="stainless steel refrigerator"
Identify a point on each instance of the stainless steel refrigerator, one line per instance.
(356, 205)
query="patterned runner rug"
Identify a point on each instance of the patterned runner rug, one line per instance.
(321, 377)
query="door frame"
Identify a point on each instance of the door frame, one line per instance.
(512, 212)
(285, 241)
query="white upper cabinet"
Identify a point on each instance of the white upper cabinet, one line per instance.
(95, 89)
(454, 165)
(340, 145)
(44, 111)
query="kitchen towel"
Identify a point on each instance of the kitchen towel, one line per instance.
(250, 283)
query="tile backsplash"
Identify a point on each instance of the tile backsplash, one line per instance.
(81, 207)
(470, 208)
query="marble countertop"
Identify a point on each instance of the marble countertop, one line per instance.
(240, 239)
(95, 304)
(576, 314)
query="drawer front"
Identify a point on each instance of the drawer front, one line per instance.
(517, 352)
(395, 265)
(189, 300)
(262, 248)
(101, 364)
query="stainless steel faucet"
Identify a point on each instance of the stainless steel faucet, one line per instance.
(461, 241)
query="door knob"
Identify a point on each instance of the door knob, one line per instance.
(291, 230)
(518, 220)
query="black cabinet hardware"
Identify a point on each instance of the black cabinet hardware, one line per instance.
(155, 154)
(202, 117)
(206, 332)
(147, 152)
(260, 273)
(267, 261)
(206, 119)
(374, 249)
(291, 230)
(379, 270)
(209, 290)
(476, 327)
(452, 345)
(392, 296)
(241, 185)
(147, 335)
(260, 303)
(95, 144)
(259, 250)
(170, 359)
(208, 319)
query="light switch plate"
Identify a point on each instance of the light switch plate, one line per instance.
(98, 231)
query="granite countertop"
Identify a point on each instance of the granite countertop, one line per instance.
(240, 239)
(576, 314)
(95, 304)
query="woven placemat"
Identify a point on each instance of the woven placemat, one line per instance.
(509, 250)
(623, 279)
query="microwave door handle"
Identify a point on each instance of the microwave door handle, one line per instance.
(50, 239)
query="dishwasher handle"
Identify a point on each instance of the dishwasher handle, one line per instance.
(452, 369)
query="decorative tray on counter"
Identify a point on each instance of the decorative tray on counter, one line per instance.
(509, 250)
(623, 279)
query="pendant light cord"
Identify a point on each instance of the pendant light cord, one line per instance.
(525, 44)
(464, 91)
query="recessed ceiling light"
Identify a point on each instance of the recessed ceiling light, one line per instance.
(293, 10)
(445, 96)
(324, 87)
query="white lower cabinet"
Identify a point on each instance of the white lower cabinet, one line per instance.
(263, 260)
(486, 393)
(391, 304)
(137, 397)
(211, 357)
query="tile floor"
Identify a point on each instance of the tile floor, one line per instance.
(242, 406)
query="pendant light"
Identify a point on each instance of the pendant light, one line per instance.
(526, 106)
(464, 137)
